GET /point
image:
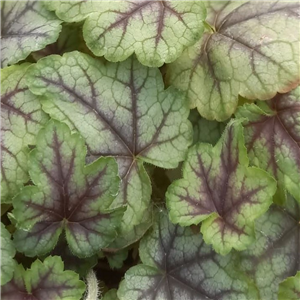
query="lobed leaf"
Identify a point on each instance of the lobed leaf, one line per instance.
(26, 26)
(156, 31)
(290, 288)
(221, 191)
(177, 264)
(67, 196)
(123, 111)
(8, 251)
(272, 135)
(44, 280)
(21, 119)
(249, 49)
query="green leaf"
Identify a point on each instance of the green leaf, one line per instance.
(111, 295)
(7, 253)
(251, 49)
(117, 259)
(177, 264)
(44, 280)
(290, 288)
(26, 26)
(275, 254)
(21, 119)
(67, 196)
(221, 191)
(272, 135)
(156, 31)
(123, 111)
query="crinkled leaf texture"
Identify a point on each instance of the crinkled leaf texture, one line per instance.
(7, 253)
(156, 31)
(123, 111)
(251, 50)
(44, 281)
(67, 196)
(21, 119)
(221, 191)
(177, 264)
(290, 288)
(272, 135)
(26, 26)
(275, 255)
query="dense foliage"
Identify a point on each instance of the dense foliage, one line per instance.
(150, 150)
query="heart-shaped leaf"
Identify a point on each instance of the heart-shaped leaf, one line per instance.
(122, 110)
(157, 31)
(275, 254)
(68, 196)
(220, 189)
(7, 253)
(177, 264)
(21, 119)
(290, 288)
(44, 280)
(251, 50)
(272, 135)
(26, 26)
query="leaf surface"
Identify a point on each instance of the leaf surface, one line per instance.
(156, 31)
(272, 135)
(250, 49)
(26, 26)
(220, 189)
(123, 111)
(290, 288)
(21, 119)
(177, 264)
(44, 280)
(7, 253)
(67, 196)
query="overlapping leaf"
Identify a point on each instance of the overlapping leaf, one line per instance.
(290, 288)
(7, 253)
(157, 31)
(68, 196)
(272, 134)
(275, 255)
(44, 280)
(122, 110)
(177, 265)
(26, 26)
(21, 119)
(220, 189)
(251, 49)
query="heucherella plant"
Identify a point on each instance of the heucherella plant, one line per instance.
(150, 150)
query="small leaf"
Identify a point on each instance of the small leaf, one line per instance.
(123, 111)
(275, 254)
(177, 264)
(7, 253)
(220, 189)
(251, 49)
(111, 295)
(272, 134)
(156, 31)
(21, 119)
(44, 280)
(117, 259)
(290, 288)
(68, 196)
(26, 26)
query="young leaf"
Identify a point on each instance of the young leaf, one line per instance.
(177, 264)
(157, 31)
(290, 288)
(26, 26)
(21, 119)
(68, 196)
(251, 50)
(44, 280)
(7, 253)
(275, 254)
(111, 295)
(122, 110)
(272, 134)
(220, 189)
